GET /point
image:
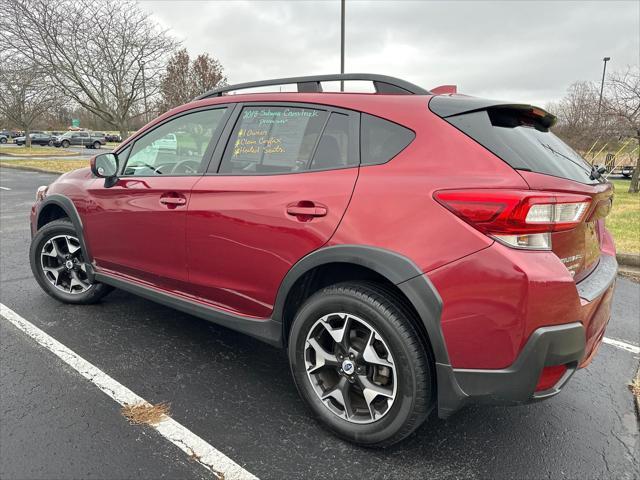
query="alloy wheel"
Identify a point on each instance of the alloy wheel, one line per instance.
(351, 368)
(63, 265)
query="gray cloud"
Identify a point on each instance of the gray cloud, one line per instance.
(522, 51)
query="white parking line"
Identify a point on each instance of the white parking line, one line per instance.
(5, 188)
(624, 346)
(187, 441)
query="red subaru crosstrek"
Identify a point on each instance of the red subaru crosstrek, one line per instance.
(412, 250)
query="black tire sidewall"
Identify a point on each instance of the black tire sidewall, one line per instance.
(50, 230)
(393, 421)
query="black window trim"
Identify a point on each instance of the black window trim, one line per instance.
(354, 137)
(206, 158)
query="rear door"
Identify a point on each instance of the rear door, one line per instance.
(136, 228)
(275, 192)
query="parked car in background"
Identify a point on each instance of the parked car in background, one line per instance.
(87, 139)
(338, 226)
(37, 138)
(113, 137)
(17, 133)
(627, 171)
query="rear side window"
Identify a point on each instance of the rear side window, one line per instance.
(333, 147)
(381, 140)
(519, 139)
(273, 140)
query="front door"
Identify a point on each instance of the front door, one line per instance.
(136, 228)
(284, 182)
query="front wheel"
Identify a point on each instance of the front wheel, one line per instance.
(65, 144)
(96, 145)
(360, 365)
(59, 266)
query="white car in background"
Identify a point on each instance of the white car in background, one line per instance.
(168, 142)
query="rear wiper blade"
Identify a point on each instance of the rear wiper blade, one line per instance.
(597, 171)
(582, 166)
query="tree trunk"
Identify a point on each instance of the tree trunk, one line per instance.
(27, 138)
(123, 127)
(633, 186)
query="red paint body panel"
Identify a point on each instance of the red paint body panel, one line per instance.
(131, 232)
(241, 240)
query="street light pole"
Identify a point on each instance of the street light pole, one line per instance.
(604, 70)
(144, 92)
(342, 2)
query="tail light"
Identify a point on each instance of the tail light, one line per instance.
(517, 218)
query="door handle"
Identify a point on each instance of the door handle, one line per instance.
(307, 209)
(173, 200)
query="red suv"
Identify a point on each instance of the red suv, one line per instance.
(411, 250)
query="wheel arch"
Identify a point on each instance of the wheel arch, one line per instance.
(355, 262)
(55, 207)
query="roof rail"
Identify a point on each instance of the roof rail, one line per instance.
(382, 84)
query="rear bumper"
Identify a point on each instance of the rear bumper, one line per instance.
(515, 385)
(570, 344)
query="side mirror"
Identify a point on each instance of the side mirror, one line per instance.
(105, 166)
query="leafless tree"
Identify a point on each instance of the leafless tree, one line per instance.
(26, 94)
(105, 55)
(621, 105)
(185, 79)
(577, 115)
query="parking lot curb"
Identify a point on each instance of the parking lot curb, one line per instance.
(39, 155)
(628, 259)
(29, 169)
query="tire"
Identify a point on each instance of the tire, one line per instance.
(96, 145)
(50, 143)
(3, 140)
(408, 384)
(63, 237)
(65, 144)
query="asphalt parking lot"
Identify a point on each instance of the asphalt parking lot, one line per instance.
(236, 393)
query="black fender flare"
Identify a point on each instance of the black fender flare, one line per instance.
(396, 268)
(67, 205)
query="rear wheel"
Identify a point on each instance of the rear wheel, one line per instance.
(360, 365)
(3, 140)
(59, 266)
(96, 145)
(65, 144)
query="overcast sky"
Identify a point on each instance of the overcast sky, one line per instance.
(515, 50)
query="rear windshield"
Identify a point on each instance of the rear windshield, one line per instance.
(523, 146)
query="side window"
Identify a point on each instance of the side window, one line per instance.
(273, 140)
(381, 140)
(176, 147)
(333, 148)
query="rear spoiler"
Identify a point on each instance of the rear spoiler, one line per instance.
(444, 90)
(502, 113)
